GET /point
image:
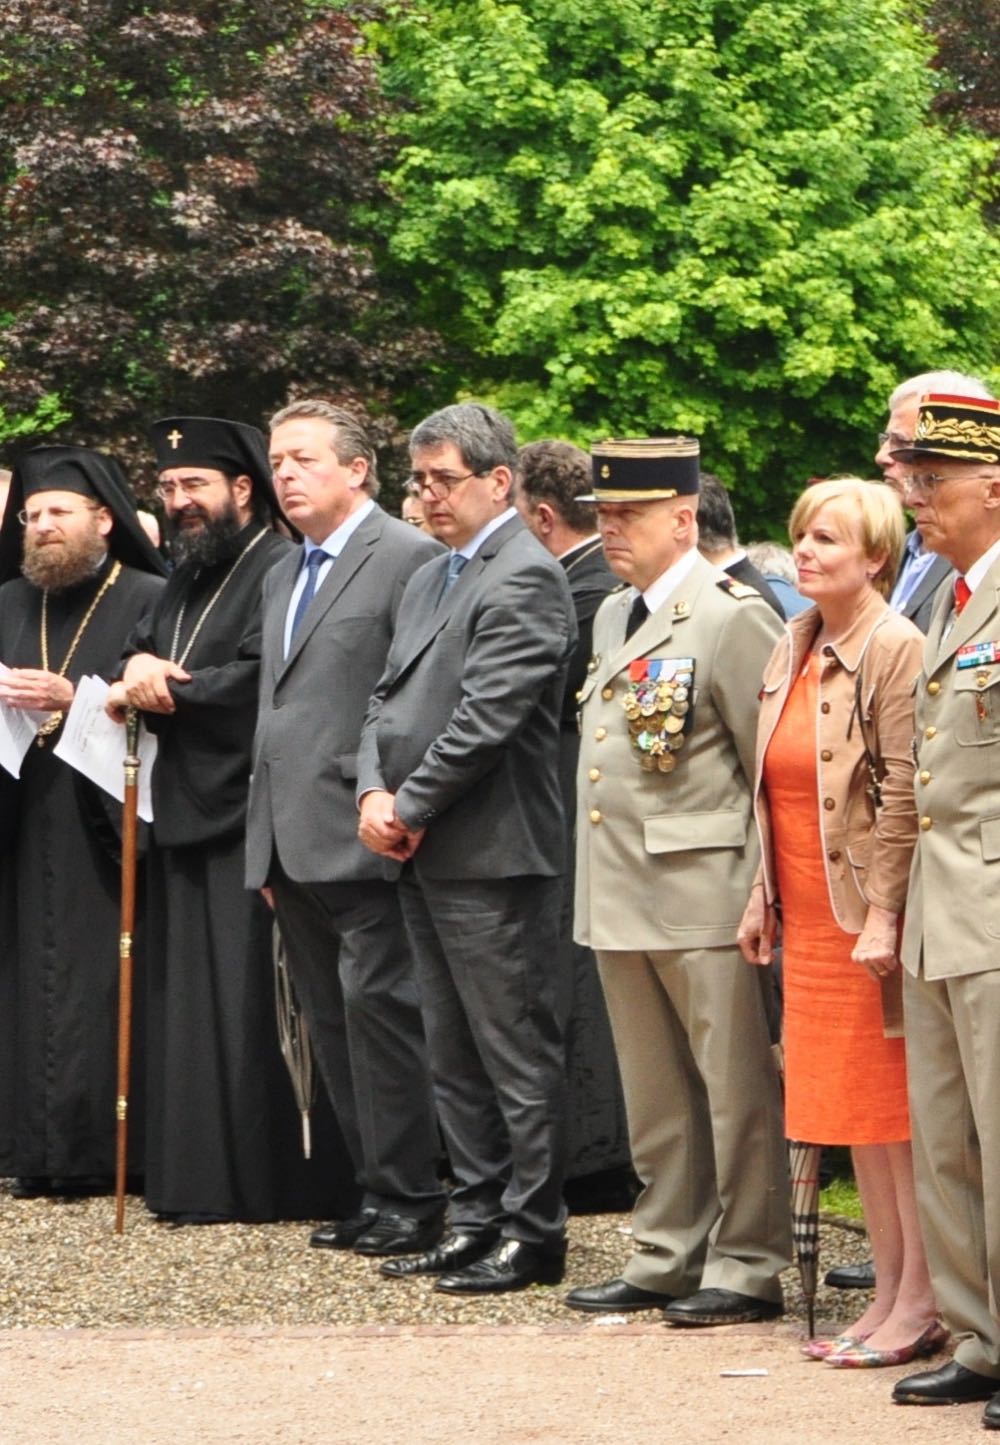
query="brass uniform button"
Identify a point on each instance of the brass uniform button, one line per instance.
(594, 774)
(926, 823)
(595, 816)
(826, 755)
(930, 732)
(925, 776)
(933, 688)
(601, 734)
(607, 693)
(829, 804)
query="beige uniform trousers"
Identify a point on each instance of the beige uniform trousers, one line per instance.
(953, 1052)
(704, 1116)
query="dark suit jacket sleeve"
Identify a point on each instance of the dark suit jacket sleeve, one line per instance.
(523, 634)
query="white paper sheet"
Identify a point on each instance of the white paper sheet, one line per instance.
(95, 745)
(17, 732)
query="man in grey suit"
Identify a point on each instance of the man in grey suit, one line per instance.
(666, 855)
(922, 571)
(951, 940)
(458, 775)
(328, 618)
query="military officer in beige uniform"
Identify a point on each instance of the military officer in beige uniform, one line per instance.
(666, 857)
(951, 943)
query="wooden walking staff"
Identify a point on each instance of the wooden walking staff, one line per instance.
(130, 813)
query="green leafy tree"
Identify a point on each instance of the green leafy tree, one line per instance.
(178, 192)
(729, 217)
(967, 37)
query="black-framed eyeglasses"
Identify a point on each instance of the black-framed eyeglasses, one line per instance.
(439, 484)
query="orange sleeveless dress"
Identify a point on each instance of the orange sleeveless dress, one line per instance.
(845, 1082)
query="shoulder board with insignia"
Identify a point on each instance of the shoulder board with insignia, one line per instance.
(739, 590)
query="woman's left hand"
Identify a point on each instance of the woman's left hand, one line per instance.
(875, 949)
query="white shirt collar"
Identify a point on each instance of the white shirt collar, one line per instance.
(979, 568)
(658, 591)
(470, 549)
(337, 540)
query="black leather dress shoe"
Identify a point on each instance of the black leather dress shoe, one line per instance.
(616, 1296)
(720, 1307)
(991, 1415)
(952, 1384)
(455, 1251)
(342, 1233)
(510, 1265)
(851, 1276)
(400, 1234)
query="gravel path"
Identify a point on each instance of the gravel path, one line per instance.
(240, 1335)
(64, 1266)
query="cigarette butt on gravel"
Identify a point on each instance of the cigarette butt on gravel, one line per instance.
(741, 1374)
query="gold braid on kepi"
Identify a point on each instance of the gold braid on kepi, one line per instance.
(644, 469)
(959, 428)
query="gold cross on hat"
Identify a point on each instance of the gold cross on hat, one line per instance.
(175, 438)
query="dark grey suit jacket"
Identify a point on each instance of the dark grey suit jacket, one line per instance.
(464, 725)
(312, 705)
(920, 607)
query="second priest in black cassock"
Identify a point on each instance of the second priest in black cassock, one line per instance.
(88, 573)
(223, 1129)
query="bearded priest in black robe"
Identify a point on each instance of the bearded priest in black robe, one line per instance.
(87, 573)
(223, 1132)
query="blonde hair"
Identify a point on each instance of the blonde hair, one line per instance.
(874, 505)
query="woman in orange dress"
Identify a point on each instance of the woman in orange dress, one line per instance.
(836, 814)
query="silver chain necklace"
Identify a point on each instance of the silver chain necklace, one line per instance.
(175, 642)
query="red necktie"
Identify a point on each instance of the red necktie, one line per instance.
(962, 594)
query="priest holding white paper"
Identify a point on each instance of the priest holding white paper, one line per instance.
(76, 570)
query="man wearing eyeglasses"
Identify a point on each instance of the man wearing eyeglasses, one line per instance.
(76, 571)
(224, 1136)
(458, 779)
(951, 942)
(922, 572)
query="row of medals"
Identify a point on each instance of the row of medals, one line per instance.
(656, 713)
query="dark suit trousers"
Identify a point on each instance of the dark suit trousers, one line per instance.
(350, 963)
(485, 953)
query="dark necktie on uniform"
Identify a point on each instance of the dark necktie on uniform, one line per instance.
(962, 594)
(455, 564)
(637, 616)
(314, 562)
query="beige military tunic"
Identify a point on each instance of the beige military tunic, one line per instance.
(666, 854)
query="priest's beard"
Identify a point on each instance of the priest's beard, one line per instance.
(57, 566)
(217, 540)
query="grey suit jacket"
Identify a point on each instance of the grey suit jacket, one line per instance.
(920, 607)
(313, 702)
(464, 725)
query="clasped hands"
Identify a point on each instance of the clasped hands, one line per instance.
(31, 689)
(382, 831)
(144, 685)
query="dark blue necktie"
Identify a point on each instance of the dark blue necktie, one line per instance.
(314, 562)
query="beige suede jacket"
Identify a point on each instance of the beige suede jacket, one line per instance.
(866, 849)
